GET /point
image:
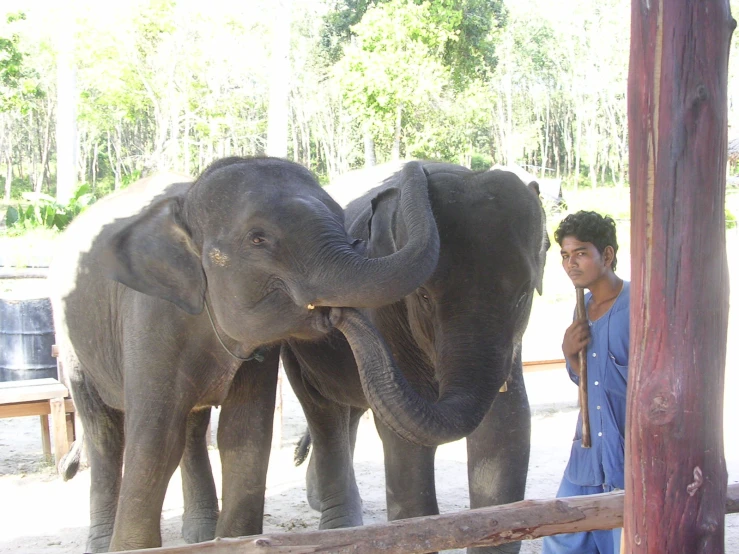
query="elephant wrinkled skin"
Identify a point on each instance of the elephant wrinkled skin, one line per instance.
(163, 291)
(455, 340)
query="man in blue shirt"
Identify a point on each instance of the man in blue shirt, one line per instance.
(588, 247)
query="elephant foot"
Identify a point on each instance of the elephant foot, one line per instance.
(313, 501)
(340, 517)
(98, 543)
(99, 537)
(199, 526)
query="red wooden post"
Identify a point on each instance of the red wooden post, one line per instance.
(675, 469)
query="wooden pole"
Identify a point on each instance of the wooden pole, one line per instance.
(675, 468)
(582, 358)
(491, 526)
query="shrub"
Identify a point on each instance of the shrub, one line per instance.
(43, 210)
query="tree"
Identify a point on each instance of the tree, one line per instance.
(675, 468)
(19, 88)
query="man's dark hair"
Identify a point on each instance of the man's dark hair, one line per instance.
(589, 227)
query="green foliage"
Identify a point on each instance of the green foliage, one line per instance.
(463, 32)
(731, 222)
(481, 162)
(43, 211)
(18, 84)
(337, 25)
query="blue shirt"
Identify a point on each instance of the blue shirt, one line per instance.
(608, 371)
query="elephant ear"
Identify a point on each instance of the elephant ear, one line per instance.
(545, 244)
(154, 254)
(381, 225)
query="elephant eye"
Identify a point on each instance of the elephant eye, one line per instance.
(257, 237)
(423, 293)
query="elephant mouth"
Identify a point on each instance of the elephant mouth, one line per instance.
(321, 320)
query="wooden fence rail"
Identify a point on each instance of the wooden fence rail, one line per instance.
(526, 520)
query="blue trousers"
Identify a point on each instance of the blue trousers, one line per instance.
(588, 542)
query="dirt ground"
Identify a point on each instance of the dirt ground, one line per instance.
(40, 514)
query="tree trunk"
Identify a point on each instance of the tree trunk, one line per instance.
(8, 168)
(545, 152)
(118, 158)
(279, 89)
(94, 167)
(675, 468)
(398, 130)
(592, 148)
(66, 120)
(370, 159)
(509, 120)
(186, 142)
(294, 135)
(578, 128)
(44, 145)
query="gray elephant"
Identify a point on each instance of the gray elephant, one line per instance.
(456, 340)
(166, 300)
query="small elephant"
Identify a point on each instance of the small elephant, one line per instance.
(456, 340)
(166, 299)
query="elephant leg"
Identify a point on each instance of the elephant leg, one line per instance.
(155, 444)
(244, 442)
(103, 432)
(334, 483)
(198, 488)
(311, 485)
(311, 477)
(409, 476)
(498, 453)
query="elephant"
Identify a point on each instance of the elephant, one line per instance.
(173, 297)
(455, 341)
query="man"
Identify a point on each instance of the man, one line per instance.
(588, 247)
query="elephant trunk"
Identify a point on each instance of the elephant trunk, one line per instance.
(351, 279)
(458, 411)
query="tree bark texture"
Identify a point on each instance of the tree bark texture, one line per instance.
(677, 109)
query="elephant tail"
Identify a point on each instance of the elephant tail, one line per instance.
(70, 462)
(302, 448)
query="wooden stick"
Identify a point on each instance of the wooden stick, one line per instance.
(583, 359)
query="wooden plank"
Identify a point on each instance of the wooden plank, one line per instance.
(59, 425)
(12, 395)
(45, 436)
(677, 114)
(490, 526)
(71, 431)
(27, 383)
(543, 365)
(39, 408)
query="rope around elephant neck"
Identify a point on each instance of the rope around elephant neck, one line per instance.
(257, 355)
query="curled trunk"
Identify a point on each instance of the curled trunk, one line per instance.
(373, 282)
(455, 415)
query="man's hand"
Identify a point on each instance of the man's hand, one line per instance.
(576, 338)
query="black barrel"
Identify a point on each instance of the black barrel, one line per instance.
(26, 338)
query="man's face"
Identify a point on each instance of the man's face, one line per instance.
(582, 262)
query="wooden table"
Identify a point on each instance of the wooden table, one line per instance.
(43, 398)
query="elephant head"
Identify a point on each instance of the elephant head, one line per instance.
(467, 319)
(259, 244)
